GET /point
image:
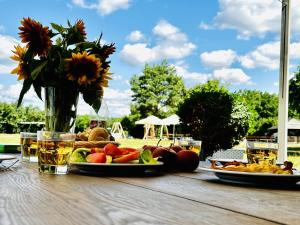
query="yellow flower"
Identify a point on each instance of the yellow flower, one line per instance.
(83, 68)
(105, 76)
(19, 56)
(36, 36)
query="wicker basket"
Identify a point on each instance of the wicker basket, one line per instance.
(93, 144)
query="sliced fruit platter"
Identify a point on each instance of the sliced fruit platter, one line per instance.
(111, 153)
(111, 158)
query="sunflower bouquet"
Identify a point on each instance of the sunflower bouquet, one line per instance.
(63, 63)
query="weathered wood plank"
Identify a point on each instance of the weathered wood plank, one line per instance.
(270, 204)
(27, 197)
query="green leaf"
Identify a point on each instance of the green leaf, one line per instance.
(57, 27)
(92, 99)
(38, 90)
(38, 70)
(26, 86)
(147, 158)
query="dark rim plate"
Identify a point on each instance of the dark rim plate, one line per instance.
(255, 178)
(6, 157)
(115, 167)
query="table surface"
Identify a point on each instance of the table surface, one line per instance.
(28, 197)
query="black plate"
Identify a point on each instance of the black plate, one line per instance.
(255, 178)
(118, 168)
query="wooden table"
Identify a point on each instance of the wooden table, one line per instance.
(27, 197)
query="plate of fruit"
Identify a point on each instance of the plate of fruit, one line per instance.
(112, 158)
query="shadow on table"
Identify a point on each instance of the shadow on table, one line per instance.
(253, 185)
(118, 173)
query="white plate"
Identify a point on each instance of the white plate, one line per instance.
(255, 178)
(6, 157)
(115, 167)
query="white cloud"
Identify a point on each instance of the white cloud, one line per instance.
(6, 46)
(182, 70)
(135, 36)
(253, 18)
(10, 93)
(171, 44)
(137, 54)
(103, 7)
(205, 26)
(118, 101)
(267, 55)
(218, 59)
(231, 75)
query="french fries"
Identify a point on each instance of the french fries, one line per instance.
(262, 167)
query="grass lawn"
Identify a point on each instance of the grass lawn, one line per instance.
(138, 143)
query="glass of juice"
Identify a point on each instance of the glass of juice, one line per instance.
(28, 142)
(54, 150)
(258, 152)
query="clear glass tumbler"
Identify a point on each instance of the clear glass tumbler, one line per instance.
(54, 150)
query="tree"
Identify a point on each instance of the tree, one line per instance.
(294, 95)
(157, 91)
(11, 116)
(211, 114)
(263, 109)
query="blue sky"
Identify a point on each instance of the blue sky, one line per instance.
(235, 41)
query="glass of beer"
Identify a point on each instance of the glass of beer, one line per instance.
(54, 150)
(262, 152)
(28, 142)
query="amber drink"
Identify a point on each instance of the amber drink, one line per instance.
(262, 152)
(54, 150)
(28, 142)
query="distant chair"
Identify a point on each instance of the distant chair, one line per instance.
(117, 130)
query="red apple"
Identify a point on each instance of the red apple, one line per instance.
(150, 147)
(187, 160)
(167, 156)
(176, 148)
(98, 157)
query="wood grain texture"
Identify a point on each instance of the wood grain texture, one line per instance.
(271, 204)
(27, 198)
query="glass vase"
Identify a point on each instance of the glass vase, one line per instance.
(60, 108)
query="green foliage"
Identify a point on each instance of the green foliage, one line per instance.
(11, 116)
(294, 95)
(211, 114)
(82, 122)
(263, 109)
(157, 91)
(128, 124)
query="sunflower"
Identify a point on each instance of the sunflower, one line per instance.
(19, 57)
(105, 76)
(36, 36)
(80, 27)
(83, 68)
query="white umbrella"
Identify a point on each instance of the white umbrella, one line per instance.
(171, 120)
(149, 123)
(150, 120)
(283, 81)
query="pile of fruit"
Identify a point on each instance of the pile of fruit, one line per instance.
(175, 157)
(111, 153)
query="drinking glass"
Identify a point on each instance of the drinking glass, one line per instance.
(190, 144)
(28, 142)
(54, 150)
(262, 152)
